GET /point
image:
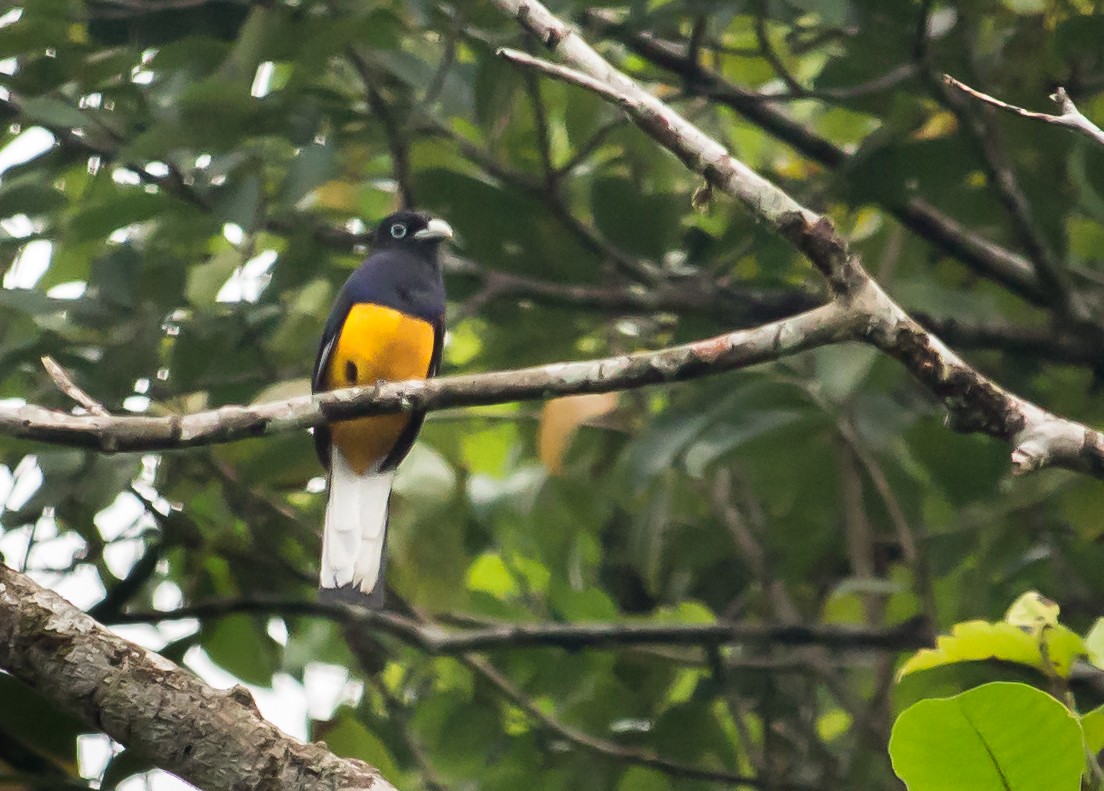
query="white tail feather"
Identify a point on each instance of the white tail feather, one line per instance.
(355, 528)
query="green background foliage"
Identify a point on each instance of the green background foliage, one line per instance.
(213, 168)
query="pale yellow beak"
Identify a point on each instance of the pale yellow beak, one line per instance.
(437, 229)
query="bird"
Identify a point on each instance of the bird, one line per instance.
(387, 324)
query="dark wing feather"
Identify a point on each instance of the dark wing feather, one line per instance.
(410, 433)
(321, 363)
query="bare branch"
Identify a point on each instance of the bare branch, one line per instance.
(974, 403)
(826, 324)
(980, 254)
(1070, 117)
(1052, 274)
(212, 738)
(436, 639)
(66, 385)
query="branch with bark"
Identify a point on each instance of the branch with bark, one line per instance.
(982, 255)
(859, 311)
(826, 324)
(974, 403)
(212, 738)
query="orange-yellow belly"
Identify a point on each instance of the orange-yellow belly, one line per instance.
(376, 344)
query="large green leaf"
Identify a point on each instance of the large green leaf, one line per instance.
(996, 737)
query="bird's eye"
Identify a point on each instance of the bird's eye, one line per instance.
(398, 230)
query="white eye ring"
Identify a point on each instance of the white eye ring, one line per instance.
(398, 230)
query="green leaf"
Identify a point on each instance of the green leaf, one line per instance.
(205, 280)
(238, 645)
(53, 113)
(29, 197)
(349, 738)
(639, 778)
(1094, 643)
(313, 165)
(240, 202)
(1092, 725)
(489, 574)
(973, 641)
(1027, 7)
(28, 718)
(638, 221)
(1000, 736)
(97, 220)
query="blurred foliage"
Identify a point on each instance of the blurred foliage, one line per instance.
(1005, 735)
(184, 186)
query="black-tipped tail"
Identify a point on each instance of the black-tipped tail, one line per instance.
(350, 594)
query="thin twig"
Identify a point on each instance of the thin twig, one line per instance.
(1070, 117)
(614, 750)
(66, 385)
(437, 639)
(1052, 274)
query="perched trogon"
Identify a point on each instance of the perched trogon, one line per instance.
(387, 324)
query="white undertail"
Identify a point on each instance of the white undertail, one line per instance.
(355, 527)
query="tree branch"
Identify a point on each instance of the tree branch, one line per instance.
(826, 324)
(1070, 117)
(860, 311)
(614, 750)
(437, 639)
(1052, 275)
(980, 254)
(66, 385)
(975, 403)
(212, 738)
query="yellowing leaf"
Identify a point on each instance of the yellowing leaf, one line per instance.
(561, 418)
(1052, 652)
(1094, 643)
(939, 125)
(973, 641)
(337, 195)
(1033, 611)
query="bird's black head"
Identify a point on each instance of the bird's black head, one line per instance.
(410, 228)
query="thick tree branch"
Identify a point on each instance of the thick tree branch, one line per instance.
(974, 403)
(214, 739)
(860, 310)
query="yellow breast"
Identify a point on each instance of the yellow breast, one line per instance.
(376, 344)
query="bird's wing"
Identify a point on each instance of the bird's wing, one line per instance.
(318, 377)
